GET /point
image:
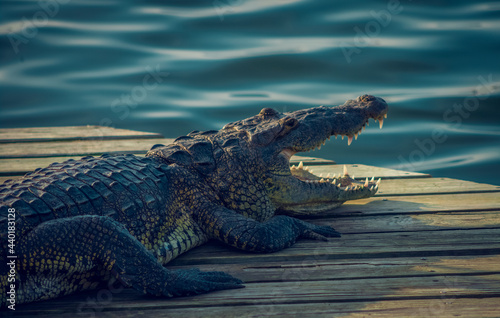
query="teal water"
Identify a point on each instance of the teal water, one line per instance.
(176, 66)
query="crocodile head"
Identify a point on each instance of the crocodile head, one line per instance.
(257, 151)
(278, 136)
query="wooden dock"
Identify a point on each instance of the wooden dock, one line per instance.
(422, 247)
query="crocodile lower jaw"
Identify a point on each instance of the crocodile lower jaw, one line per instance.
(342, 181)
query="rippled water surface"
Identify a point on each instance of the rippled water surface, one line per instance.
(176, 66)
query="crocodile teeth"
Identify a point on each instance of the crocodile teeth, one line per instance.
(349, 140)
(301, 165)
(366, 182)
(356, 136)
(342, 137)
(385, 115)
(322, 180)
(327, 176)
(381, 122)
(321, 175)
(306, 168)
(345, 170)
(378, 181)
(373, 179)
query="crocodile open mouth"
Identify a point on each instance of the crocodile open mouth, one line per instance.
(342, 181)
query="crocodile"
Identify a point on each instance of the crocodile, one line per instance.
(79, 224)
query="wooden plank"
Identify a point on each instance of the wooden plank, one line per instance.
(400, 187)
(362, 246)
(443, 306)
(77, 147)
(315, 269)
(393, 260)
(468, 307)
(419, 204)
(414, 222)
(360, 171)
(310, 161)
(293, 292)
(50, 134)
(335, 290)
(334, 271)
(418, 308)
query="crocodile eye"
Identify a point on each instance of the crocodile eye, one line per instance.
(287, 125)
(290, 122)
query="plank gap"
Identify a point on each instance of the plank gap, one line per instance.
(476, 273)
(425, 230)
(363, 214)
(435, 193)
(333, 256)
(70, 133)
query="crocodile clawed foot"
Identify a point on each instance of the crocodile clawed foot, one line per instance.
(193, 282)
(318, 232)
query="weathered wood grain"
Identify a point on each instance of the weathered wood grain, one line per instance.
(419, 308)
(316, 269)
(362, 246)
(444, 272)
(360, 171)
(77, 148)
(429, 186)
(422, 247)
(449, 287)
(412, 222)
(50, 134)
(446, 307)
(310, 161)
(420, 204)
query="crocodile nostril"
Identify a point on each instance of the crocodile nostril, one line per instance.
(268, 112)
(367, 98)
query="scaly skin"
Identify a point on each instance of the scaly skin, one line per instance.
(81, 223)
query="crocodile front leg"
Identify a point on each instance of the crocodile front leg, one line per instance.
(247, 234)
(65, 255)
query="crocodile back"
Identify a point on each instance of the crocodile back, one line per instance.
(127, 188)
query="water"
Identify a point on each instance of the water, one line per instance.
(173, 67)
